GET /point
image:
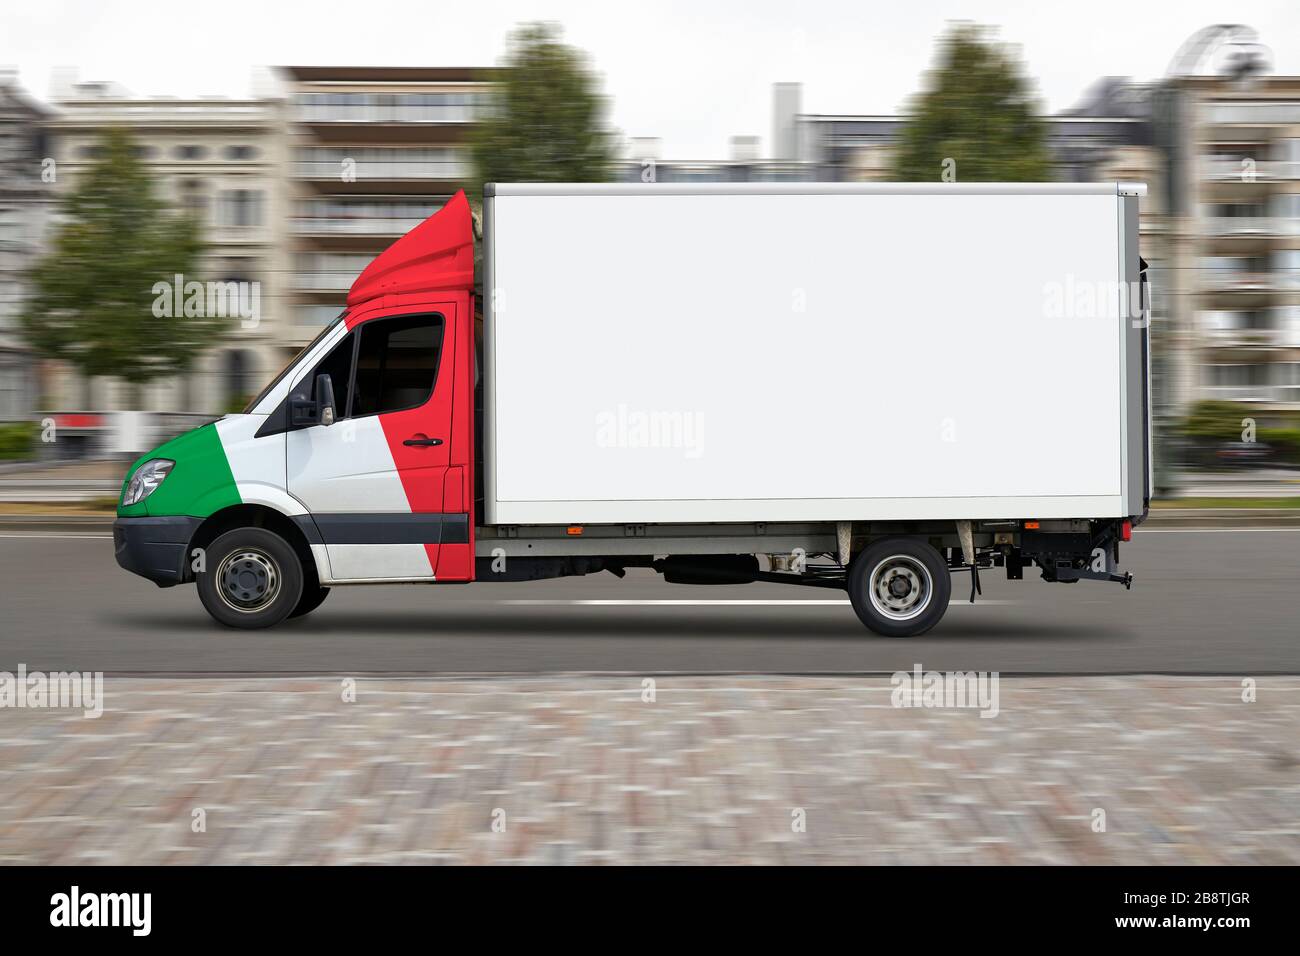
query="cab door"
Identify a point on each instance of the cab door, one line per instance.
(374, 480)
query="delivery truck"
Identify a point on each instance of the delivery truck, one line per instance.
(865, 387)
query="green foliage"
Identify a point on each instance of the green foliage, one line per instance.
(1212, 422)
(978, 109)
(1218, 421)
(1284, 441)
(92, 302)
(17, 440)
(547, 122)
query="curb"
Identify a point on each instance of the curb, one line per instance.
(56, 524)
(1170, 518)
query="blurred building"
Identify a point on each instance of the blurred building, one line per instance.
(374, 152)
(301, 190)
(222, 161)
(1235, 233)
(25, 200)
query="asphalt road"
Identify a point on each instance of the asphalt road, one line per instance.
(1221, 602)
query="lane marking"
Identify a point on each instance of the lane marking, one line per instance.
(698, 602)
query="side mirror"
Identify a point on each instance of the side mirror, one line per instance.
(325, 399)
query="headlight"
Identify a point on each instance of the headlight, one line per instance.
(145, 480)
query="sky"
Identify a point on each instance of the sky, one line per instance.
(691, 72)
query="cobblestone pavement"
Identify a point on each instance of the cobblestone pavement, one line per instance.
(713, 770)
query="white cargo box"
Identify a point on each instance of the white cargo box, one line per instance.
(812, 352)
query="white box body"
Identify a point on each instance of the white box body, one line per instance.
(812, 352)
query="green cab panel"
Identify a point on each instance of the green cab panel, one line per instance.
(200, 483)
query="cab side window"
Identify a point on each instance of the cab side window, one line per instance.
(397, 364)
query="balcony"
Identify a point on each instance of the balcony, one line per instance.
(1246, 338)
(339, 281)
(1231, 170)
(320, 226)
(237, 235)
(1251, 226)
(391, 113)
(204, 113)
(1225, 280)
(334, 170)
(1252, 114)
(1256, 394)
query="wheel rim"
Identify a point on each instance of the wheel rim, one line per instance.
(248, 580)
(901, 587)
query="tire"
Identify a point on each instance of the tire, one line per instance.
(252, 579)
(899, 587)
(313, 596)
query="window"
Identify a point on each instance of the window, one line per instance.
(1237, 376)
(193, 198)
(239, 207)
(397, 364)
(239, 153)
(238, 378)
(190, 152)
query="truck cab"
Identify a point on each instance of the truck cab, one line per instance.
(354, 465)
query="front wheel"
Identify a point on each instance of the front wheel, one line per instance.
(899, 587)
(252, 578)
(313, 595)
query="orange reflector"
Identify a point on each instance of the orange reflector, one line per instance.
(1126, 531)
(573, 529)
(1031, 525)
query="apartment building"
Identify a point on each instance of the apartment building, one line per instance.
(25, 202)
(1238, 238)
(220, 160)
(374, 151)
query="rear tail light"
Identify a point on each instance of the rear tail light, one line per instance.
(1126, 530)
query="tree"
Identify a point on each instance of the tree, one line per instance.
(977, 117)
(1217, 420)
(93, 295)
(547, 119)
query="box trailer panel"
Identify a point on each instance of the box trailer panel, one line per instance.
(818, 354)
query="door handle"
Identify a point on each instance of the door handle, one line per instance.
(422, 441)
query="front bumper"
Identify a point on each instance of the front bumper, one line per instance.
(154, 548)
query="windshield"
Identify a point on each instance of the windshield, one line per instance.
(292, 362)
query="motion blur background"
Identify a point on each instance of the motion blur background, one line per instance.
(335, 129)
(289, 189)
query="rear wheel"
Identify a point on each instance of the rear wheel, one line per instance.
(899, 587)
(252, 579)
